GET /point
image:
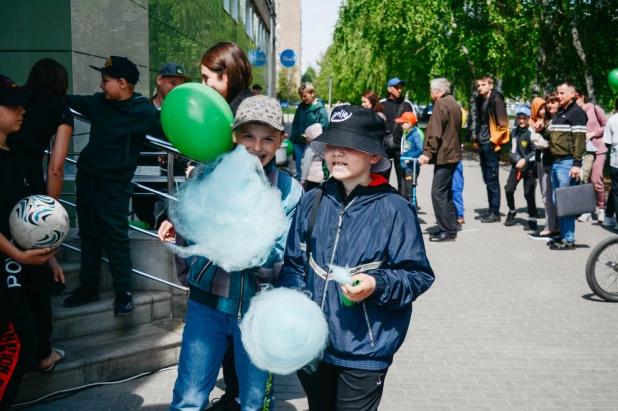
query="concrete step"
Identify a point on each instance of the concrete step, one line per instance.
(108, 356)
(99, 317)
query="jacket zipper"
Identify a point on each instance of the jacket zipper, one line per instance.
(201, 274)
(332, 258)
(242, 287)
(368, 325)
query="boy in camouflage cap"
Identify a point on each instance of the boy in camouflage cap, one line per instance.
(218, 299)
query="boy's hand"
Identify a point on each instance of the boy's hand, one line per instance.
(520, 164)
(361, 291)
(55, 268)
(167, 233)
(36, 256)
(406, 162)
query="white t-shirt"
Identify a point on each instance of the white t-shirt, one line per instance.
(610, 136)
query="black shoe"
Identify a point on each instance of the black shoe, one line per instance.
(123, 304)
(82, 295)
(532, 226)
(442, 236)
(492, 218)
(485, 214)
(225, 404)
(561, 245)
(510, 219)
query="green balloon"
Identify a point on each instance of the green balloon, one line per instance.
(612, 78)
(197, 121)
(289, 149)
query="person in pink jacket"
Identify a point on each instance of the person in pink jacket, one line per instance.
(594, 160)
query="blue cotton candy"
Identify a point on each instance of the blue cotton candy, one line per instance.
(283, 331)
(233, 216)
(341, 275)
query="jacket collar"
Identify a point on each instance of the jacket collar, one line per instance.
(378, 185)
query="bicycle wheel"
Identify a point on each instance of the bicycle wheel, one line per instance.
(602, 269)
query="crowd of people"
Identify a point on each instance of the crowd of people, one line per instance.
(343, 212)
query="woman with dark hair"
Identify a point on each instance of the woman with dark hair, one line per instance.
(371, 100)
(46, 116)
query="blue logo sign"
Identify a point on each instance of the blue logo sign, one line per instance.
(257, 58)
(288, 58)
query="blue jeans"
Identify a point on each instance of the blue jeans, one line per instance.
(205, 339)
(560, 178)
(299, 152)
(458, 186)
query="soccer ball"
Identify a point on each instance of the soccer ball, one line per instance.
(39, 222)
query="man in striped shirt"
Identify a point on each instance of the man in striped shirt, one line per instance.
(567, 143)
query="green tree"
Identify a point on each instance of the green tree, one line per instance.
(286, 83)
(309, 76)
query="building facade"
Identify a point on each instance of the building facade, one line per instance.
(79, 33)
(288, 33)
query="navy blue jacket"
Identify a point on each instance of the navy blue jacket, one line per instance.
(373, 231)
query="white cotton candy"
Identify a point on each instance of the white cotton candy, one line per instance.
(233, 215)
(283, 331)
(341, 275)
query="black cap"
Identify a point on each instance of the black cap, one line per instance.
(11, 94)
(174, 70)
(257, 87)
(120, 67)
(358, 128)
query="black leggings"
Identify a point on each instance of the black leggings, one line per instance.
(333, 388)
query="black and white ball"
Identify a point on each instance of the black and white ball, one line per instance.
(39, 222)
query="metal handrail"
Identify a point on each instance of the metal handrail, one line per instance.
(143, 274)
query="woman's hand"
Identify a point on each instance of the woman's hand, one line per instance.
(362, 291)
(55, 268)
(167, 233)
(36, 256)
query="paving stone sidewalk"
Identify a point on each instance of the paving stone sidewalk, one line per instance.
(508, 325)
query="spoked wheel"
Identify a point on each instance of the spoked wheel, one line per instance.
(602, 269)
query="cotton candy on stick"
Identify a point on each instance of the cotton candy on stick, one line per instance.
(233, 216)
(283, 331)
(343, 276)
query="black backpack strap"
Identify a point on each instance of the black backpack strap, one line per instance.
(312, 217)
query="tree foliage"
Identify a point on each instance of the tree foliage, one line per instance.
(529, 45)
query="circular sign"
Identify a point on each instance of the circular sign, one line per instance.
(288, 58)
(257, 58)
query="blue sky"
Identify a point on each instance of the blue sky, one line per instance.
(318, 23)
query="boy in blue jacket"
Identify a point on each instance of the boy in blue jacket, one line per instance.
(218, 299)
(356, 220)
(411, 147)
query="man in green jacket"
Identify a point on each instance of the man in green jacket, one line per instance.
(309, 112)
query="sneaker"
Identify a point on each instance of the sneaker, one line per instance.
(485, 214)
(82, 295)
(601, 215)
(510, 218)
(123, 304)
(492, 218)
(461, 221)
(561, 245)
(609, 222)
(225, 404)
(532, 226)
(584, 217)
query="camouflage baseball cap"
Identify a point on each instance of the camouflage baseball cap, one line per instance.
(259, 109)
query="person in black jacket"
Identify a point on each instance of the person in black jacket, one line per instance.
(394, 106)
(522, 158)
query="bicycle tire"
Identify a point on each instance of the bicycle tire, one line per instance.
(595, 261)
